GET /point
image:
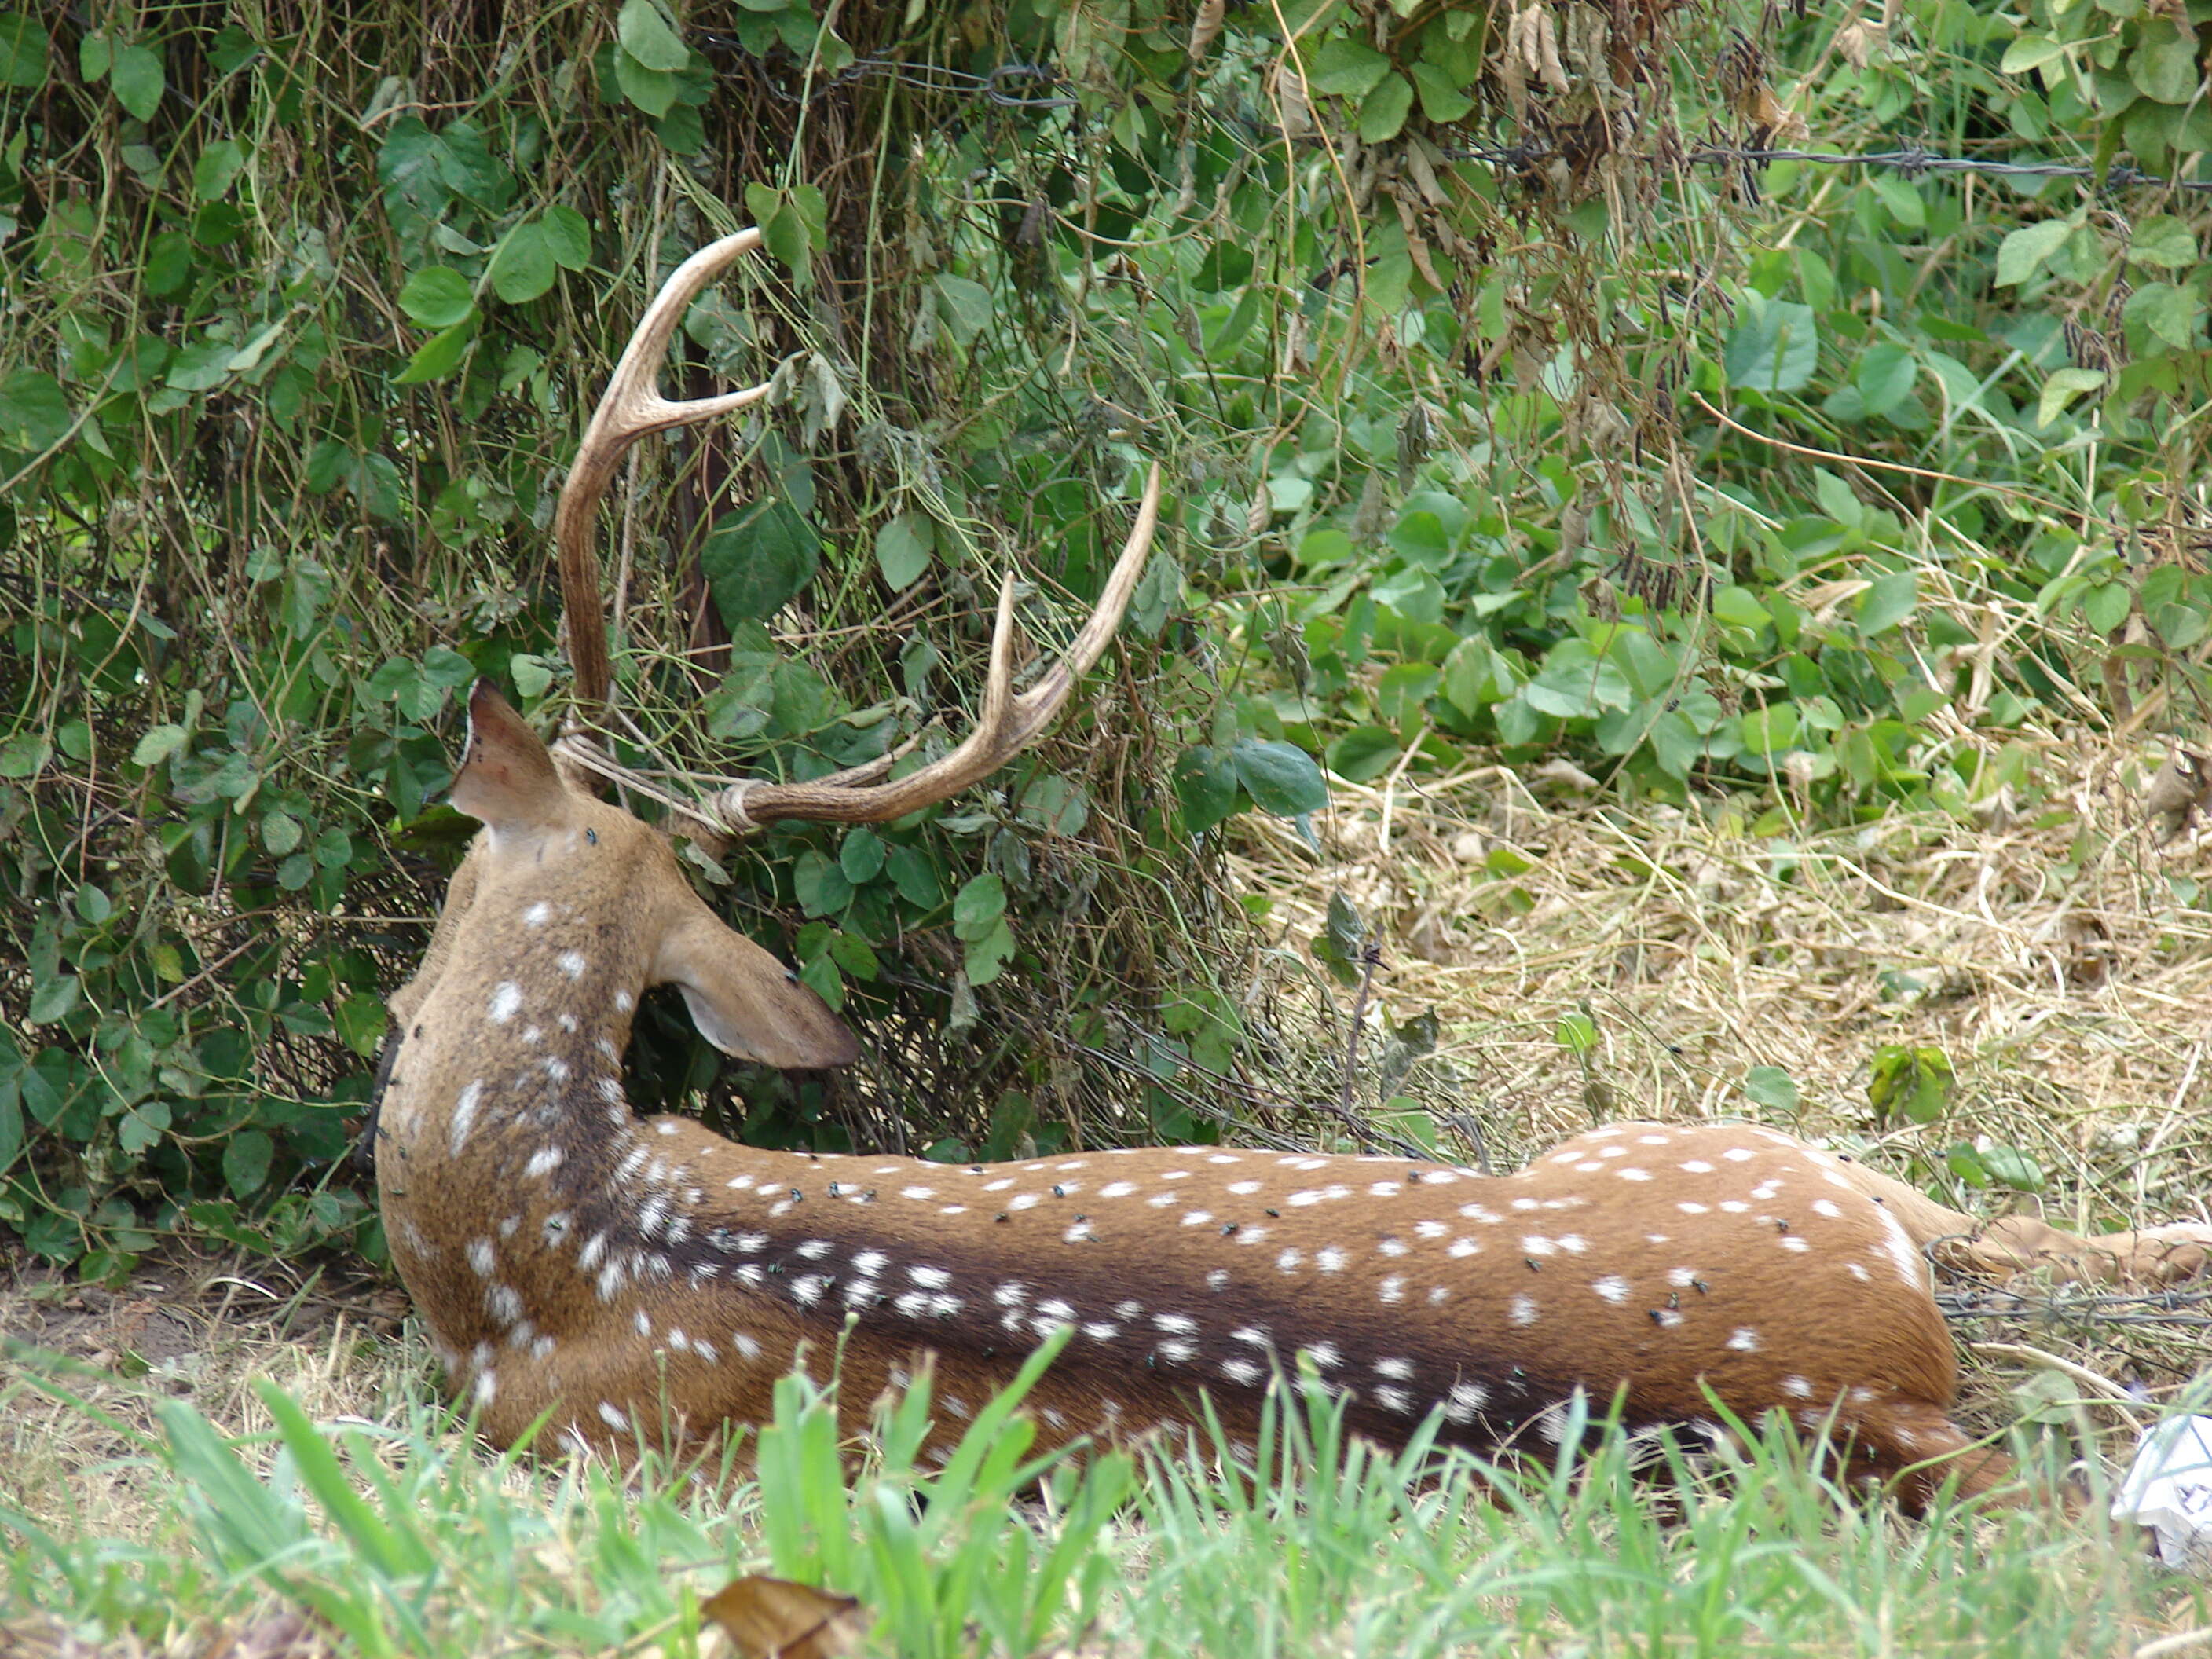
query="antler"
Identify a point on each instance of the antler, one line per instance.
(1008, 723)
(631, 407)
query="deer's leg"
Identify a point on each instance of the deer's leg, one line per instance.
(2018, 1244)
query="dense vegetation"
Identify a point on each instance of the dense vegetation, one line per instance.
(1513, 406)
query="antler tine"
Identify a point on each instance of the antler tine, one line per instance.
(1007, 724)
(631, 407)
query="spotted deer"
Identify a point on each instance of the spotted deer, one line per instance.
(631, 1279)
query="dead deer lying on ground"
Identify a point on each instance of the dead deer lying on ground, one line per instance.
(637, 1279)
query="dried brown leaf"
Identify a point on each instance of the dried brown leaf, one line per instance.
(770, 1618)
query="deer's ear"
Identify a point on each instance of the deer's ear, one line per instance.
(506, 777)
(744, 1001)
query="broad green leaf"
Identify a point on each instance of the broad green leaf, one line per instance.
(35, 413)
(1364, 752)
(1383, 113)
(2169, 312)
(2063, 386)
(1442, 98)
(524, 267)
(1771, 1087)
(1885, 377)
(568, 237)
(1775, 347)
(758, 559)
(439, 355)
(2024, 251)
(2164, 65)
(437, 297)
(2106, 606)
(2031, 52)
(1349, 67)
(137, 80)
(280, 832)
(1206, 787)
(24, 49)
(159, 743)
(821, 886)
(245, 1159)
(965, 306)
(1280, 777)
(982, 902)
(646, 35)
(2165, 241)
(1887, 602)
(652, 90)
(217, 169)
(52, 998)
(24, 755)
(905, 547)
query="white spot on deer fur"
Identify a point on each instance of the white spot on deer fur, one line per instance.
(544, 1162)
(1023, 1201)
(1613, 1287)
(1180, 1351)
(1528, 1204)
(1117, 1190)
(534, 1034)
(1464, 1247)
(1588, 1166)
(1797, 1386)
(1324, 1354)
(1738, 1154)
(1697, 1166)
(506, 999)
(1734, 1206)
(572, 963)
(1821, 1206)
(643, 1321)
(1522, 1310)
(537, 914)
(1289, 1260)
(1000, 1185)
(1631, 1173)
(934, 1278)
(1681, 1278)
(465, 1114)
(612, 1277)
(1465, 1400)
(1243, 1188)
(1099, 1332)
(1791, 1242)
(1665, 1318)
(1857, 1272)
(1400, 1370)
(503, 1303)
(487, 1386)
(1197, 1218)
(1437, 1293)
(1653, 1140)
(1175, 1324)
(543, 1348)
(917, 1191)
(1746, 1339)
(1395, 1399)
(631, 1164)
(1551, 1425)
(1392, 1289)
(1217, 1279)
(1392, 1246)
(1439, 1178)
(1246, 1372)
(612, 1416)
(1304, 1163)
(482, 1257)
(1056, 1309)
(1331, 1260)
(1218, 1157)
(624, 1001)
(1384, 1189)
(1573, 1244)
(1690, 1208)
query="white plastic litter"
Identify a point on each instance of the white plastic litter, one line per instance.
(2169, 1489)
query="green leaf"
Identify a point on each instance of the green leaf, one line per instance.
(217, 169)
(822, 886)
(1888, 601)
(2030, 52)
(2169, 312)
(905, 547)
(2013, 1168)
(359, 1021)
(24, 755)
(24, 48)
(1364, 752)
(137, 80)
(245, 1159)
(758, 559)
(860, 855)
(437, 297)
(439, 355)
(980, 903)
(646, 36)
(2164, 65)
(1771, 1087)
(1885, 377)
(532, 674)
(523, 267)
(1383, 113)
(652, 90)
(280, 832)
(2164, 240)
(2023, 252)
(988, 954)
(2106, 606)
(568, 237)
(51, 999)
(1442, 98)
(1205, 788)
(1347, 68)
(2063, 386)
(1775, 347)
(34, 414)
(159, 743)
(964, 305)
(1280, 777)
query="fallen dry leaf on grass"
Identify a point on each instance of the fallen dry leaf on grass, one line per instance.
(770, 1618)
